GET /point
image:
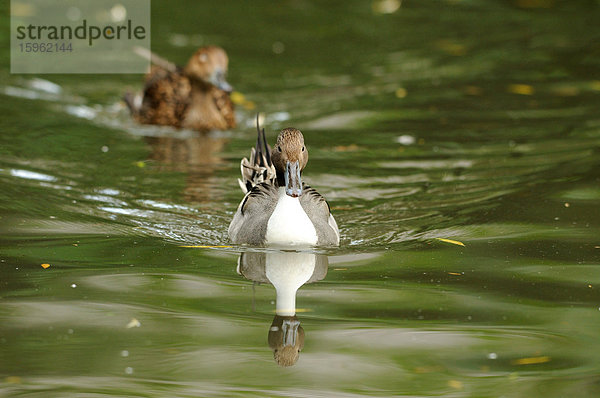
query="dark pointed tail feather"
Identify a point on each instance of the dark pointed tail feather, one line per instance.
(259, 169)
(263, 152)
(258, 148)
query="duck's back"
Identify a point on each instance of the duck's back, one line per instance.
(249, 224)
(209, 109)
(318, 211)
(166, 98)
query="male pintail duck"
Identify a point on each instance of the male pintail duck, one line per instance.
(279, 209)
(195, 96)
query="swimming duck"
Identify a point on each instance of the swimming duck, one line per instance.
(195, 96)
(278, 208)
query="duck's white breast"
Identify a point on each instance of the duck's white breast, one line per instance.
(287, 271)
(289, 224)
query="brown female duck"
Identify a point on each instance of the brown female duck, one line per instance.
(195, 96)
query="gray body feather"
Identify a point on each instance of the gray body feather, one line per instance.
(259, 183)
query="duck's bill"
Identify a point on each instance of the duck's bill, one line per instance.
(223, 85)
(290, 331)
(293, 182)
(218, 80)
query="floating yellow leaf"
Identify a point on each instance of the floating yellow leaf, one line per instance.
(522, 89)
(240, 99)
(204, 247)
(140, 164)
(530, 361)
(44, 266)
(454, 242)
(455, 273)
(133, 323)
(455, 384)
(401, 92)
(288, 310)
(237, 97)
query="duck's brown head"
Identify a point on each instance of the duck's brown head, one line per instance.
(209, 65)
(289, 158)
(286, 339)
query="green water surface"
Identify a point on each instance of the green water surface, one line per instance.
(475, 121)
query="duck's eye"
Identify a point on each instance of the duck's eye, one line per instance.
(302, 149)
(278, 148)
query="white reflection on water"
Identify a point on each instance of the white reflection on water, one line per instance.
(45, 86)
(127, 212)
(175, 285)
(28, 94)
(82, 111)
(287, 271)
(399, 338)
(34, 314)
(109, 191)
(167, 206)
(105, 199)
(31, 175)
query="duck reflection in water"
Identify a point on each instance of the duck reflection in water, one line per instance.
(198, 156)
(286, 271)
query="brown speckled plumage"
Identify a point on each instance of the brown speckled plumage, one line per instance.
(189, 97)
(166, 98)
(225, 106)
